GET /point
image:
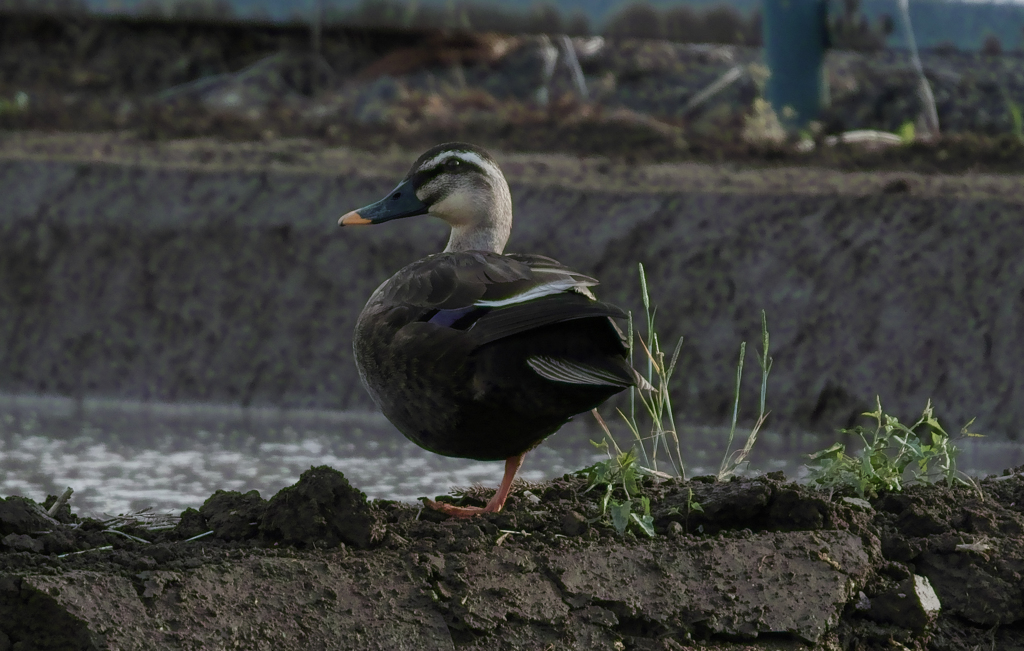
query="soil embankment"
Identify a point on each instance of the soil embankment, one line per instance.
(765, 565)
(207, 271)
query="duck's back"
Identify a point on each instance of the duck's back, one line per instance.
(481, 355)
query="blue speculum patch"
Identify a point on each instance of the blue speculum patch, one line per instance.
(459, 318)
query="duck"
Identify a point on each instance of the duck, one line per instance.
(473, 352)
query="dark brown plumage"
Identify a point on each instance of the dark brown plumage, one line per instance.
(460, 385)
(471, 353)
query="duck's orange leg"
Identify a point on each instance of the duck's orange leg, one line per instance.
(512, 465)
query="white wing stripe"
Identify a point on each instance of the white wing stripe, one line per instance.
(556, 286)
(558, 370)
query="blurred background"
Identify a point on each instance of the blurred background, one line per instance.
(176, 302)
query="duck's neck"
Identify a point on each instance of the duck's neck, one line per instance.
(488, 232)
(468, 238)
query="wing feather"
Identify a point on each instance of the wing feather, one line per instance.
(447, 281)
(558, 308)
(492, 296)
(571, 372)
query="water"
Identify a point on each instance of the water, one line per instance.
(121, 456)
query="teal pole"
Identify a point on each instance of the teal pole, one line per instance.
(795, 36)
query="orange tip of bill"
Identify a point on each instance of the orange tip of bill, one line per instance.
(353, 219)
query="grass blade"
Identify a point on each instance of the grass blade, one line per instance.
(735, 411)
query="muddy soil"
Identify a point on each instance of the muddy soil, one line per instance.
(371, 89)
(767, 564)
(199, 270)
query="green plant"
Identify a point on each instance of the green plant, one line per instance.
(621, 469)
(1016, 115)
(894, 455)
(656, 402)
(624, 467)
(762, 126)
(906, 132)
(17, 105)
(733, 462)
(692, 506)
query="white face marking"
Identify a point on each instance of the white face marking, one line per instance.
(459, 207)
(465, 157)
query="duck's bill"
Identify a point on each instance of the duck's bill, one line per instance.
(400, 202)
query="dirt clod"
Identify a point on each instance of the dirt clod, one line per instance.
(192, 524)
(912, 605)
(574, 524)
(232, 515)
(321, 510)
(22, 543)
(21, 516)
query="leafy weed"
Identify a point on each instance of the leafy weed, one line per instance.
(893, 456)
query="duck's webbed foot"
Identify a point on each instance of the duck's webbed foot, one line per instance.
(495, 504)
(458, 511)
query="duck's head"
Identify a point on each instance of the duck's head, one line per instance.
(458, 183)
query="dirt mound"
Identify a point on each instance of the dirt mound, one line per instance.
(762, 564)
(322, 510)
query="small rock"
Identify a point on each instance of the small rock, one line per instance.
(22, 543)
(859, 503)
(675, 529)
(913, 605)
(232, 515)
(574, 524)
(863, 603)
(322, 509)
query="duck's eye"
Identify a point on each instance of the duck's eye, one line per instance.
(452, 163)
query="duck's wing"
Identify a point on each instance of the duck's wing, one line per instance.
(489, 296)
(534, 313)
(601, 364)
(459, 303)
(452, 281)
